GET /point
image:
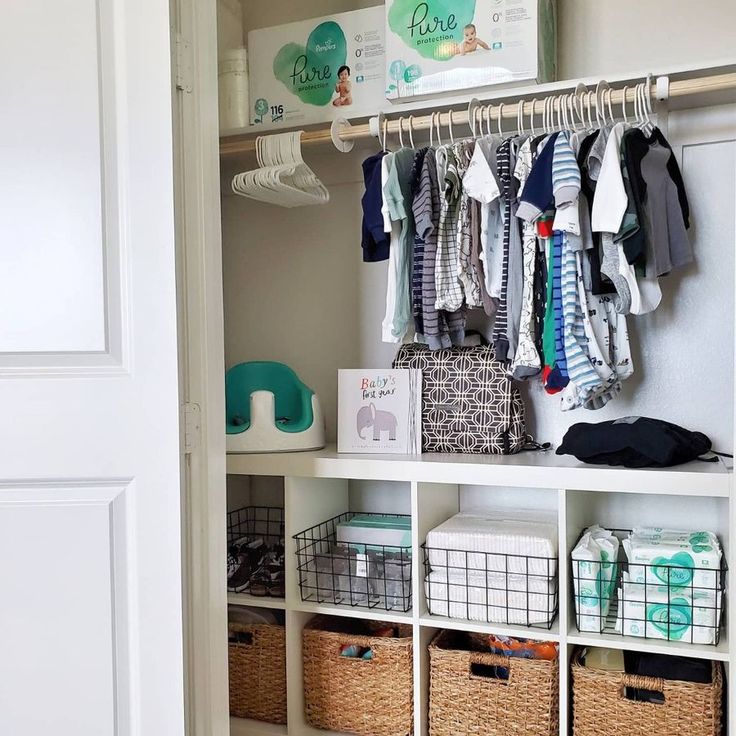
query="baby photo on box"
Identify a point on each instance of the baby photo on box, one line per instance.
(440, 46)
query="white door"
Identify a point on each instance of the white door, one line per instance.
(90, 589)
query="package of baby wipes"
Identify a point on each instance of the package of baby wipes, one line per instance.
(594, 573)
(315, 70)
(436, 46)
(659, 612)
(673, 557)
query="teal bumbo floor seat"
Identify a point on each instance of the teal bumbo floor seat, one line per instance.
(269, 409)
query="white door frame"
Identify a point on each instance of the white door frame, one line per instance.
(201, 340)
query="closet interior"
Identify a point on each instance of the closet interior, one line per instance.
(297, 291)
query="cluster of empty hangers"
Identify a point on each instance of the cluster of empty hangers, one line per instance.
(282, 177)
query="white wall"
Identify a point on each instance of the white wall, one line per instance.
(229, 24)
(296, 289)
(606, 36)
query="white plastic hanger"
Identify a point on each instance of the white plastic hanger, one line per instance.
(472, 109)
(282, 177)
(549, 122)
(449, 125)
(520, 118)
(588, 97)
(531, 118)
(439, 128)
(600, 116)
(500, 119)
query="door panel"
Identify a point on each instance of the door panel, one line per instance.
(53, 155)
(90, 554)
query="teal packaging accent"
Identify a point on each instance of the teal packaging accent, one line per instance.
(310, 71)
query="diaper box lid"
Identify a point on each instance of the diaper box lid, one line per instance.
(396, 536)
(384, 522)
(439, 46)
(316, 70)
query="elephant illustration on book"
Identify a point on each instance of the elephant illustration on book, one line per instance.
(381, 421)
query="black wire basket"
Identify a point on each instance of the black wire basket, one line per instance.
(355, 573)
(520, 590)
(669, 601)
(255, 559)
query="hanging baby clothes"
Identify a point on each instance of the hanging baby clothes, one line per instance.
(659, 184)
(609, 207)
(503, 331)
(559, 235)
(526, 362)
(393, 229)
(467, 272)
(374, 240)
(450, 296)
(417, 266)
(481, 186)
(397, 192)
(440, 329)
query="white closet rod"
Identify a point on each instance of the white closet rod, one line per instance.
(681, 88)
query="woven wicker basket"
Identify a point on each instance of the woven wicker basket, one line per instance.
(465, 701)
(258, 673)
(600, 708)
(372, 697)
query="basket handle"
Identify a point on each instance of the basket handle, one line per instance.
(479, 660)
(367, 642)
(250, 634)
(641, 682)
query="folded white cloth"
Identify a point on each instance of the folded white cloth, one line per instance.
(594, 569)
(492, 597)
(515, 543)
(689, 615)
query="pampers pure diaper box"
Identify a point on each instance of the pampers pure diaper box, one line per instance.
(440, 46)
(314, 71)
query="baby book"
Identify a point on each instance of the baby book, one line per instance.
(440, 46)
(316, 70)
(379, 411)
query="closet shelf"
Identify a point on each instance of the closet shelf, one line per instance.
(363, 612)
(249, 727)
(257, 601)
(525, 632)
(524, 470)
(654, 646)
(687, 85)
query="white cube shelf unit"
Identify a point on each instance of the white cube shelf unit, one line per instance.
(316, 486)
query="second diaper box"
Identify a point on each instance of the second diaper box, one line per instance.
(314, 71)
(441, 46)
